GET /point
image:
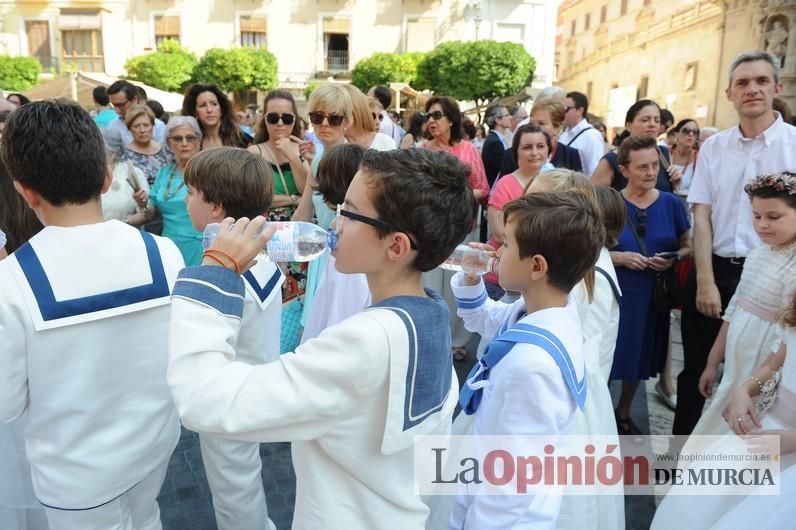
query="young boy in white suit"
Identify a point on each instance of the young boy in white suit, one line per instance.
(84, 321)
(353, 399)
(230, 182)
(531, 378)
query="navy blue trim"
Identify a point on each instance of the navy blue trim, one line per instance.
(217, 287)
(51, 309)
(86, 509)
(611, 282)
(262, 292)
(471, 303)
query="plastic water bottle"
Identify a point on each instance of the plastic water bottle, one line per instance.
(292, 241)
(471, 261)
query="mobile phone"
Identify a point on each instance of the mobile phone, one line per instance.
(667, 255)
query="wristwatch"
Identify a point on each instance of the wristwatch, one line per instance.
(295, 198)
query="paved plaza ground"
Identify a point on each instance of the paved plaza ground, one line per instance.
(185, 499)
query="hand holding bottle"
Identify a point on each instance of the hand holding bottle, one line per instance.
(474, 260)
(239, 242)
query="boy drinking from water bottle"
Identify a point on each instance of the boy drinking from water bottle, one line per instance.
(229, 182)
(353, 399)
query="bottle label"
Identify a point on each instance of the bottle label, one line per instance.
(281, 247)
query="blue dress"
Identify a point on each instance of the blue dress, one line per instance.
(168, 195)
(643, 338)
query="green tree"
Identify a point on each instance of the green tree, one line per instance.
(384, 68)
(18, 73)
(238, 69)
(170, 68)
(476, 71)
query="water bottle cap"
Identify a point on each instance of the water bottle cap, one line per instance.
(331, 239)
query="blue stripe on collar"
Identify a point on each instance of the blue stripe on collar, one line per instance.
(265, 291)
(52, 309)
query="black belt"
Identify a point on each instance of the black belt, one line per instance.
(736, 262)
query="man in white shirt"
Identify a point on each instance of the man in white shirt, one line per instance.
(723, 225)
(386, 125)
(124, 95)
(580, 134)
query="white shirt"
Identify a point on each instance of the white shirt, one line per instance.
(726, 163)
(383, 142)
(390, 128)
(118, 202)
(590, 144)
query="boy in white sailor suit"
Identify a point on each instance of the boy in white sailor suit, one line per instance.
(353, 399)
(230, 182)
(84, 319)
(531, 379)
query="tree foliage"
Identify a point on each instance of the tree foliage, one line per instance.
(18, 73)
(238, 69)
(170, 68)
(385, 68)
(476, 71)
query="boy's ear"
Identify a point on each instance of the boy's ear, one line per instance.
(399, 247)
(218, 212)
(539, 266)
(30, 196)
(106, 184)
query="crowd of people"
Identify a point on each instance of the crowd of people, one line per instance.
(118, 326)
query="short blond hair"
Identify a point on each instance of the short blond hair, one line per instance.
(554, 107)
(135, 112)
(331, 99)
(360, 110)
(563, 179)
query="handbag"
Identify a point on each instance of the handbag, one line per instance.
(667, 293)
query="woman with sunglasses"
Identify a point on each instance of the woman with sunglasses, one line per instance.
(655, 237)
(213, 110)
(684, 154)
(415, 137)
(363, 130)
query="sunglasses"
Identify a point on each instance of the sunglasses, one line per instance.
(274, 117)
(334, 120)
(436, 115)
(191, 139)
(642, 222)
(377, 116)
(375, 223)
(686, 130)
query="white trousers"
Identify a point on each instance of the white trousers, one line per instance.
(234, 474)
(135, 509)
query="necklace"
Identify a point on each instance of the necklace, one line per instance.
(169, 194)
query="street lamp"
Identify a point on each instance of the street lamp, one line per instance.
(472, 13)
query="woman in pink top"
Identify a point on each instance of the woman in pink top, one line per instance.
(531, 149)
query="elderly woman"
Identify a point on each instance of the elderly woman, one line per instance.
(118, 202)
(168, 193)
(213, 110)
(363, 130)
(655, 237)
(143, 152)
(643, 119)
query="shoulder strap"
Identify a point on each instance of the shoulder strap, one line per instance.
(278, 168)
(611, 282)
(640, 241)
(664, 162)
(577, 135)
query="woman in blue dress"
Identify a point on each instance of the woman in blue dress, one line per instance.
(658, 220)
(167, 194)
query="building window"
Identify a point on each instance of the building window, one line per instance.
(643, 87)
(587, 22)
(589, 88)
(647, 2)
(572, 28)
(690, 81)
(603, 14)
(336, 31)
(38, 36)
(253, 31)
(421, 35)
(81, 40)
(166, 27)
(623, 8)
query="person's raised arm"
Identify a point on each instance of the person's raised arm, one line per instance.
(603, 175)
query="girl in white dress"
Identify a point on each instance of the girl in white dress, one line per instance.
(752, 327)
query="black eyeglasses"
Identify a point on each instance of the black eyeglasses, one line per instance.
(334, 120)
(690, 132)
(273, 118)
(436, 115)
(379, 117)
(642, 221)
(375, 223)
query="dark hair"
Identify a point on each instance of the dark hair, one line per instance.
(416, 125)
(228, 131)
(468, 127)
(235, 179)
(336, 171)
(613, 212)
(451, 110)
(23, 99)
(157, 108)
(636, 107)
(790, 314)
(129, 89)
(384, 95)
(562, 226)
(634, 143)
(262, 131)
(666, 116)
(4, 114)
(17, 221)
(54, 148)
(140, 92)
(424, 193)
(782, 107)
(580, 100)
(100, 96)
(683, 123)
(525, 129)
